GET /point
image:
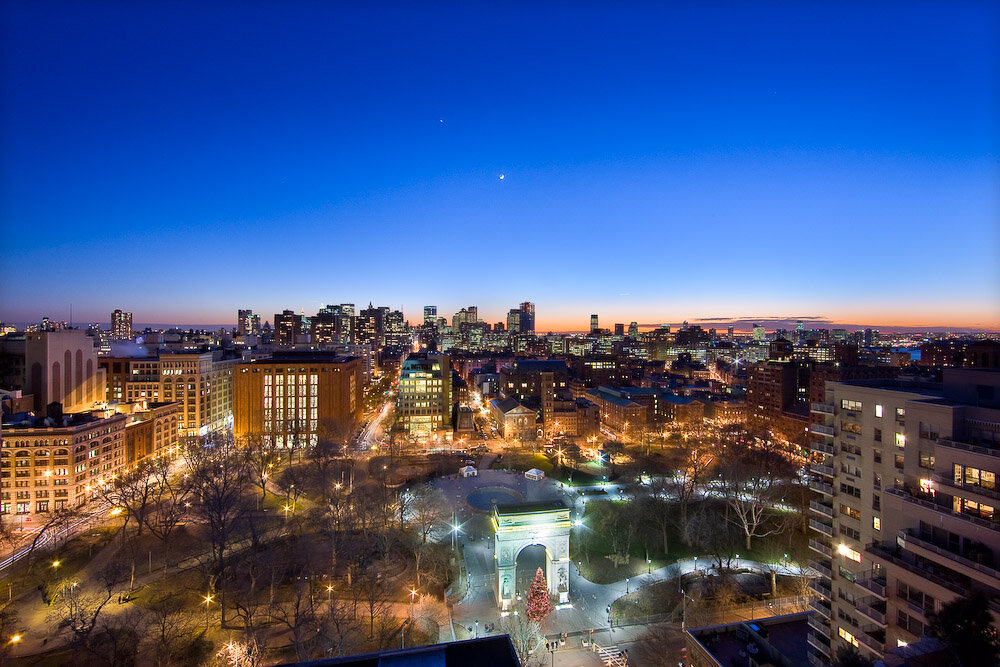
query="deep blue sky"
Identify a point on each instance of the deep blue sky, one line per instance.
(181, 160)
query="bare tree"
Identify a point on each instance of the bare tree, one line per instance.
(170, 499)
(298, 614)
(659, 644)
(219, 486)
(429, 510)
(78, 610)
(260, 453)
(170, 633)
(524, 635)
(750, 482)
(689, 464)
(338, 627)
(376, 597)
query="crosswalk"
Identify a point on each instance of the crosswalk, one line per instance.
(611, 656)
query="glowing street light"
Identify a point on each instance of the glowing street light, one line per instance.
(207, 600)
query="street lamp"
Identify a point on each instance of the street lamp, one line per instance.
(696, 565)
(626, 585)
(329, 591)
(649, 565)
(207, 601)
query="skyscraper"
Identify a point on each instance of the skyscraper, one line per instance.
(121, 325)
(527, 317)
(758, 333)
(633, 330)
(247, 323)
(514, 320)
(619, 329)
(430, 315)
(593, 323)
(287, 327)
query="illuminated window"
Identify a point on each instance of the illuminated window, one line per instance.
(878, 410)
(848, 552)
(877, 523)
(900, 440)
(847, 636)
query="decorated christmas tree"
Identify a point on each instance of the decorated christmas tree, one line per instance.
(539, 605)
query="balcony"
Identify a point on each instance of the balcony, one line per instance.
(822, 447)
(821, 487)
(822, 430)
(872, 584)
(821, 588)
(965, 447)
(874, 639)
(943, 509)
(826, 471)
(817, 660)
(821, 527)
(822, 568)
(819, 547)
(823, 408)
(819, 626)
(821, 644)
(966, 489)
(963, 564)
(822, 608)
(874, 611)
(957, 585)
(820, 508)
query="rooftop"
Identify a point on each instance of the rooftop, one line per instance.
(494, 651)
(304, 357)
(780, 641)
(530, 508)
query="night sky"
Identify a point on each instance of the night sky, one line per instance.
(651, 163)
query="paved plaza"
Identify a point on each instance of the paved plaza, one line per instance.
(588, 601)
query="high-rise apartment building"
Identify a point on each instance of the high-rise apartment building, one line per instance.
(633, 330)
(425, 396)
(514, 321)
(297, 397)
(619, 329)
(430, 315)
(396, 331)
(369, 327)
(908, 518)
(594, 326)
(287, 328)
(758, 334)
(247, 324)
(527, 319)
(121, 325)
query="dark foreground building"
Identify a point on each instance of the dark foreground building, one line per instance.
(485, 652)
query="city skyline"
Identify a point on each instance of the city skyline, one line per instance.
(643, 163)
(581, 324)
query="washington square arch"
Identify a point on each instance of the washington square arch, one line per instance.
(523, 525)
